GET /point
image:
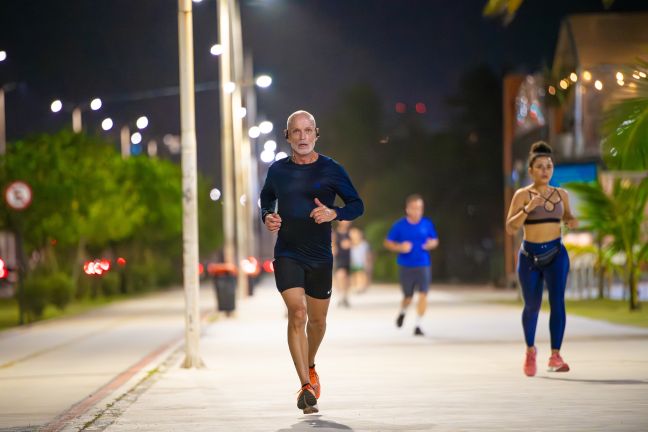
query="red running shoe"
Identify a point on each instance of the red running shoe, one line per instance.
(530, 367)
(557, 364)
(314, 381)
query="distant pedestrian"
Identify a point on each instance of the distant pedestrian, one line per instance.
(413, 237)
(342, 261)
(360, 260)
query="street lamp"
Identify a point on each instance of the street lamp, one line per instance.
(56, 106)
(264, 81)
(216, 50)
(270, 145)
(3, 89)
(107, 124)
(265, 127)
(254, 132)
(142, 122)
(95, 104)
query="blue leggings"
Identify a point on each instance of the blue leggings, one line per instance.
(532, 281)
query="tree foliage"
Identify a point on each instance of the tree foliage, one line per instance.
(88, 203)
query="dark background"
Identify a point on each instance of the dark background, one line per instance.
(347, 61)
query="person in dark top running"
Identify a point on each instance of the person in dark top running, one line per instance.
(413, 237)
(297, 202)
(539, 209)
(342, 261)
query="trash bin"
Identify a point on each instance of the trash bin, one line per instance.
(224, 286)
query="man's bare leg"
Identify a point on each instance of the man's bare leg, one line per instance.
(295, 300)
(317, 310)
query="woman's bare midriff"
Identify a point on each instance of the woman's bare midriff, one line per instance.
(542, 233)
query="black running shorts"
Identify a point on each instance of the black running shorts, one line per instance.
(414, 278)
(316, 280)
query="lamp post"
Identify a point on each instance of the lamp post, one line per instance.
(189, 187)
(125, 136)
(77, 123)
(227, 163)
(3, 130)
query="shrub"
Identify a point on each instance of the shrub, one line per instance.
(61, 289)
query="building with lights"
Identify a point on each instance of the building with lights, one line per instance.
(593, 66)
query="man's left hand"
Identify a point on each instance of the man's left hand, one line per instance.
(431, 243)
(321, 213)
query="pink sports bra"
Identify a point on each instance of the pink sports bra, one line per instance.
(550, 212)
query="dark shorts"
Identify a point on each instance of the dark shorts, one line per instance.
(316, 280)
(412, 278)
(342, 263)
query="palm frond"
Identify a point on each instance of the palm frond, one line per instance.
(625, 127)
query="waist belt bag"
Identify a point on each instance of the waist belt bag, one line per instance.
(543, 259)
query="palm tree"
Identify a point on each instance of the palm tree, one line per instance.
(625, 128)
(508, 8)
(622, 216)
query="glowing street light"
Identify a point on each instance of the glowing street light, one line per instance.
(241, 112)
(95, 104)
(587, 76)
(216, 50)
(264, 81)
(3, 56)
(265, 127)
(267, 156)
(107, 124)
(56, 106)
(598, 84)
(573, 77)
(136, 138)
(215, 194)
(254, 132)
(142, 122)
(229, 87)
(270, 145)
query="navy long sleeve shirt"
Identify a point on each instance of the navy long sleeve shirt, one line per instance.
(292, 188)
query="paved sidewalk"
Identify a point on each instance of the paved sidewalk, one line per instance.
(465, 375)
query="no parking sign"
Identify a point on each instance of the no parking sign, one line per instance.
(18, 195)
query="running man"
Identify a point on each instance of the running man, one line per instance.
(413, 237)
(303, 189)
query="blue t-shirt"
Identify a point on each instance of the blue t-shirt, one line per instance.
(417, 234)
(293, 189)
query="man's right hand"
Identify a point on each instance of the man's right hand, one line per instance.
(273, 222)
(405, 247)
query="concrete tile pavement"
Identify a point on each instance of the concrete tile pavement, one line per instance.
(466, 374)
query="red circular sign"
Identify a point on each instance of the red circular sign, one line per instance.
(18, 195)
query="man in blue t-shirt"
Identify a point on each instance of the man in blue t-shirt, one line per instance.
(413, 237)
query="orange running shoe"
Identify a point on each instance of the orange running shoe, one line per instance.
(314, 381)
(306, 400)
(556, 364)
(530, 362)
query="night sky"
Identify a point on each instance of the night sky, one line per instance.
(409, 50)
